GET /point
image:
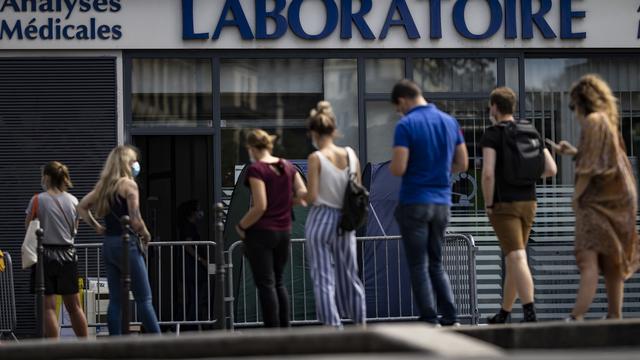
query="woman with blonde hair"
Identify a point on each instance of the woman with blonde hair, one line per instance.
(56, 210)
(605, 198)
(115, 195)
(266, 228)
(331, 251)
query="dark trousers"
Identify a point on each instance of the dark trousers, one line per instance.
(268, 253)
(423, 228)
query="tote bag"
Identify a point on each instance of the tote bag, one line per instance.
(30, 243)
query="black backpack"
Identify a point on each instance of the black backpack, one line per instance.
(522, 153)
(355, 208)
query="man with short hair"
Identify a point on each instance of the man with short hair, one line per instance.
(511, 208)
(428, 148)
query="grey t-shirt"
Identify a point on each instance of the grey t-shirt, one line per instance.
(57, 229)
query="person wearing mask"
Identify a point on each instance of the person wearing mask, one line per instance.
(605, 197)
(331, 251)
(511, 208)
(56, 210)
(115, 195)
(428, 148)
(196, 261)
(266, 228)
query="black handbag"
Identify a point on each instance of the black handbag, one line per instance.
(355, 208)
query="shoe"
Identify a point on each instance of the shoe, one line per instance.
(502, 317)
(571, 318)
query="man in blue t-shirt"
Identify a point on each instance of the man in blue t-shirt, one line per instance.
(428, 148)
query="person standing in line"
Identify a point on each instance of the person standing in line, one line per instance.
(266, 228)
(428, 148)
(56, 210)
(511, 208)
(331, 251)
(115, 195)
(605, 198)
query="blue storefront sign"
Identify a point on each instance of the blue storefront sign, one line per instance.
(341, 17)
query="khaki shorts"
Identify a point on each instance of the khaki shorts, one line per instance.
(512, 223)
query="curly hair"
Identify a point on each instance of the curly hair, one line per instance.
(591, 94)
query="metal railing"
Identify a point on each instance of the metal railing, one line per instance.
(382, 271)
(182, 286)
(7, 300)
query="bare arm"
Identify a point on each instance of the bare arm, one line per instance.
(488, 176)
(84, 210)
(550, 167)
(132, 194)
(300, 190)
(313, 175)
(460, 159)
(259, 206)
(399, 161)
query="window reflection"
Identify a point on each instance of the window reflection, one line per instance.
(171, 92)
(382, 74)
(456, 74)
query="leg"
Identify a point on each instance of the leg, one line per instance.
(437, 273)
(50, 319)
(518, 270)
(509, 292)
(261, 261)
(588, 264)
(320, 227)
(78, 320)
(142, 290)
(415, 232)
(280, 259)
(350, 291)
(615, 288)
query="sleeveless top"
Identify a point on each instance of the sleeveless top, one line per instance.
(119, 208)
(333, 181)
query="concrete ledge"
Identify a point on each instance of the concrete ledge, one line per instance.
(408, 339)
(560, 335)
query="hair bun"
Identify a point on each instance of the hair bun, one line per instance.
(324, 107)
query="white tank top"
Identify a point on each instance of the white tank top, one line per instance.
(333, 181)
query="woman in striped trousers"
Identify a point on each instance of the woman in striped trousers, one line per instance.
(332, 254)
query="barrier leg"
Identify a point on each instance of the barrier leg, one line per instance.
(40, 286)
(219, 300)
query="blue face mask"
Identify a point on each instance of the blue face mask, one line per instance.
(135, 169)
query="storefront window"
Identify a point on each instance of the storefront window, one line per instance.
(461, 75)
(512, 74)
(277, 95)
(381, 122)
(171, 92)
(383, 74)
(548, 82)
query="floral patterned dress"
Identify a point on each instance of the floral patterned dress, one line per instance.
(605, 199)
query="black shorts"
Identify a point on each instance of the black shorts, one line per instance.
(60, 271)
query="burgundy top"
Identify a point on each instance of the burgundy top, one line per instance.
(279, 187)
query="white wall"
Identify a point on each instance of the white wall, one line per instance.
(157, 24)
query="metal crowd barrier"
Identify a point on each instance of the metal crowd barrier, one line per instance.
(7, 300)
(382, 270)
(182, 295)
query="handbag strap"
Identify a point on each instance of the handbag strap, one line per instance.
(71, 227)
(352, 170)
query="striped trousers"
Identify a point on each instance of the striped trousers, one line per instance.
(334, 270)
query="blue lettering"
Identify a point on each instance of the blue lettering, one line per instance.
(296, 25)
(529, 18)
(406, 20)
(6, 29)
(435, 19)
(461, 25)
(11, 3)
(239, 20)
(188, 32)
(261, 19)
(117, 32)
(510, 26)
(349, 16)
(566, 21)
